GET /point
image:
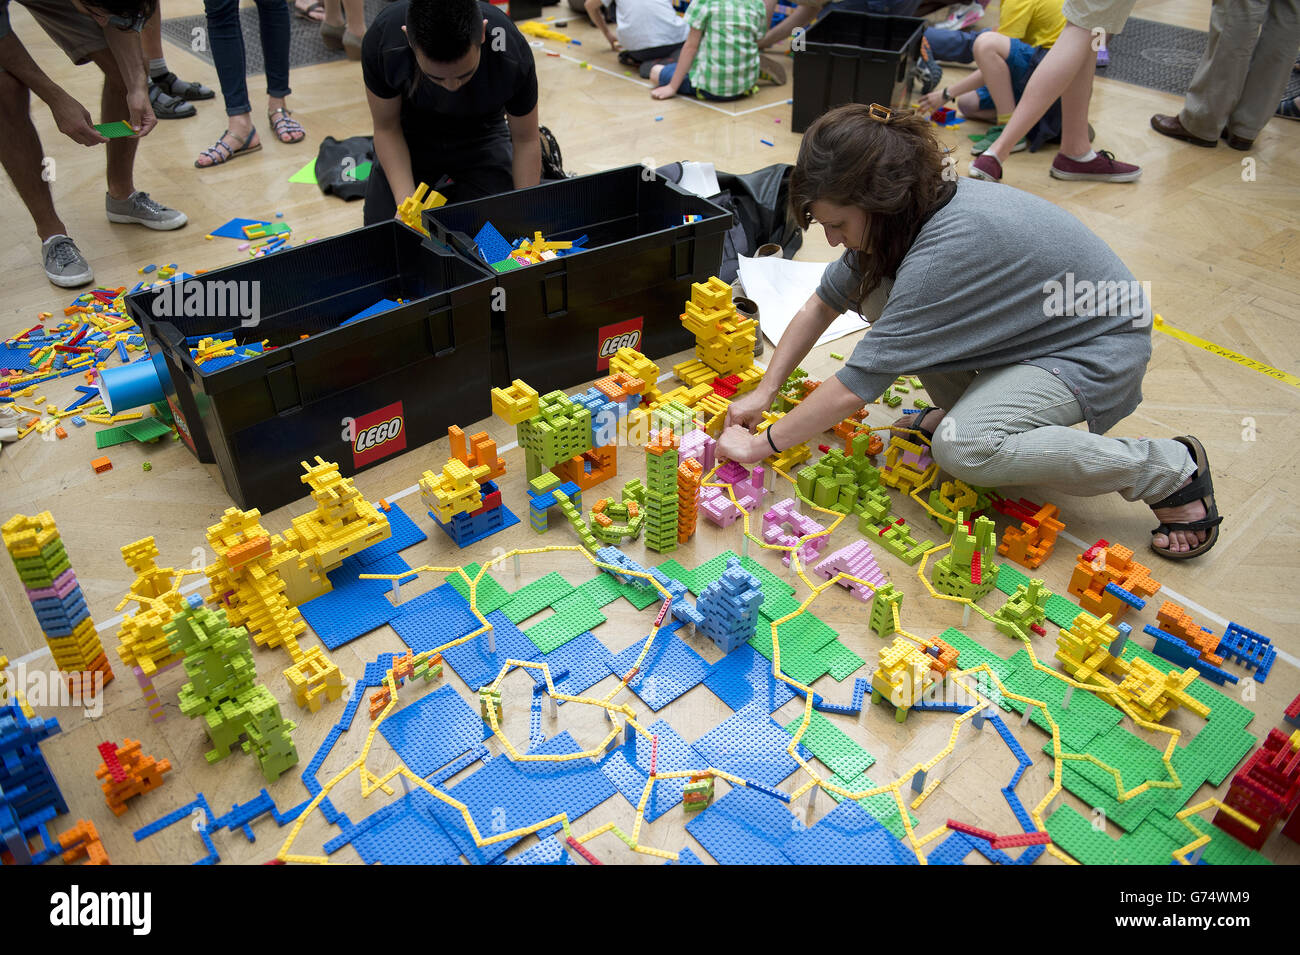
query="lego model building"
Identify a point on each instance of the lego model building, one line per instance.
(29, 796)
(1031, 543)
(724, 341)
(411, 209)
(883, 603)
(223, 690)
(1089, 650)
(967, 569)
(1108, 581)
(786, 526)
(126, 772)
(1267, 791)
(901, 677)
(42, 563)
(661, 492)
(908, 465)
(1024, 611)
(464, 500)
(729, 607)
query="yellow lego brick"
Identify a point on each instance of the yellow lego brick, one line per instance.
(517, 403)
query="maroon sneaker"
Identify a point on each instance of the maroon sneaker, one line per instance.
(986, 166)
(1101, 168)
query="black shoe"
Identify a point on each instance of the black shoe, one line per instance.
(552, 162)
(173, 85)
(927, 69)
(166, 106)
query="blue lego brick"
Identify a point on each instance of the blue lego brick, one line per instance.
(628, 768)
(1178, 652)
(847, 836)
(466, 529)
(81, 400)
(507, 795)
(492, 245)
(434, 618)
(354, 607)
(430, 732)
(1249, 649)
(953, 850)
(745, 676)
(686, 857)
(535, 735)
(203, 825)
(587, 660)
(121, 352)
(458, 765)
(1133, 600)
(404, 533)
(547, 852)
(768, 791)
(745, 827)
(670, 669)
(241, 817)
(476, 666)
(751, 745)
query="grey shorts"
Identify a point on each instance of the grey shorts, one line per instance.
(76, 34)
(1108, 15)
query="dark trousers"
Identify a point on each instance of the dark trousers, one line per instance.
(226, 38)
(476, 170)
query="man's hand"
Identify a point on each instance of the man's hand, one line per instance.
(74, 121)
(663, 92)
(747, 411)
(737, 444)
(142, 119)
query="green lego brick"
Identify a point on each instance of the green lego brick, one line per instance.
(602, 589)
(882, 807)
(574, 614)
(119, 129)
(1087, 717)
(112, 437)
(489, 595)
(1219, 748)
(533, 597)
(1061, 611)
(147, 429)
(841, 662)
(840, 752)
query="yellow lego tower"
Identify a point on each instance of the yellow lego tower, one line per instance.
(902, 676)
(455, 491)
(724, 342)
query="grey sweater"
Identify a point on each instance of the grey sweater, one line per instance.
(995, 277)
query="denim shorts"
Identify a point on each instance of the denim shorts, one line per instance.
(1020, 61)
(686, 89)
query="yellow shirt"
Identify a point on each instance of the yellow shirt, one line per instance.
(1036, 22)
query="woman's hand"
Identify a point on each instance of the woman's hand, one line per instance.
(738, 444)
(747, 411)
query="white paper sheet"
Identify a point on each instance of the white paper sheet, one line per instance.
(700, 178)
(780, 287)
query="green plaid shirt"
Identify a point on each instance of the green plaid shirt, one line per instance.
(727, 63)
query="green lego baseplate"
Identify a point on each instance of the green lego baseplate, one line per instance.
(835, 748)
(489, 595)
(533, 598)
(575, 613)
(882, 807)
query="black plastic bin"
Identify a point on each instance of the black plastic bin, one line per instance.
(400, 376)
(854, 58)
(564, 318)
(524, 9)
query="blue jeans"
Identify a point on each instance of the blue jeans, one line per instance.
(686, 89)
(227, 41)
(952, 46)
(1019, 62)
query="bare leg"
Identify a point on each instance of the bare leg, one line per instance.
(151, 38)
(112, 106)
(23, 158)
(991, 50)
(356, 13)
(1062, 66)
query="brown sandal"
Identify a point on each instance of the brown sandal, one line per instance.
(283, 125)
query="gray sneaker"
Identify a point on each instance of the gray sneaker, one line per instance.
(65, 266)
(139, 209)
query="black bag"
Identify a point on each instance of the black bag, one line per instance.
(337, 160)
(759, 202)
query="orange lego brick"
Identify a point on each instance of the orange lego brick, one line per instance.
(241, 554)
(101, 465)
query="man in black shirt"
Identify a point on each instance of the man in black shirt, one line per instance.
(441, 76)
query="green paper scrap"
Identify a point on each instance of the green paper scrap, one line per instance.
(118, 130)
(306, 174)
(361, 173)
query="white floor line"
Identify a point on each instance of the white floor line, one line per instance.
(644, 84)
(755, 109)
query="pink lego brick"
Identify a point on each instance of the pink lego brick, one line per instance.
(698, 445)
(717, 507)
(64, 584)
(855, 559)
(784, 525)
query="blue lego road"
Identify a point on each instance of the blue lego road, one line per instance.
(354, 607)
(751, 745)
(670, 669)
(628, 767)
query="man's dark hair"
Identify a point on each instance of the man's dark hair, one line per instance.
(126, 8)
(444, 30)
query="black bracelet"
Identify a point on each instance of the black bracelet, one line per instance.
(771, 443)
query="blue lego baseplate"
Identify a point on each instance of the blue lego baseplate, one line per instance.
(670, 669)
(745, 827)
(476, 666)
(434, 618)
(847, 835)
(402, 833)
(628, 767)
(404, 533)
(750, 744)
(587, 660)
(432, 731)
(745, 676)
(547, 852)
(354, 607)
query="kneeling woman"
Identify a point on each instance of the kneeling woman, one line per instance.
(965, 281)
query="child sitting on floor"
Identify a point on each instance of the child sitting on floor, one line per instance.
(647, 29)
(719, 60)
(1005, 59)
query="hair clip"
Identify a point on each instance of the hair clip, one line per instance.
(882, 113)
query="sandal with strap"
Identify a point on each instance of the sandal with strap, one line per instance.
(1287, 108)
(221, 153)
(182, 89)
(308, 12)
(283, 125)
(1201, 488)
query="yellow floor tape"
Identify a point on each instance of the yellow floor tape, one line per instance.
(1274, 373)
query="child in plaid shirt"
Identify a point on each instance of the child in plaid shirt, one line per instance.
(719, 60)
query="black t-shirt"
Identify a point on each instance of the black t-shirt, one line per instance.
(434, 118)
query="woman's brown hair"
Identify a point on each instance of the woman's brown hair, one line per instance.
(887, 164)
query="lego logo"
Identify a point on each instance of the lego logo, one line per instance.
(627, 339)
(377, 434)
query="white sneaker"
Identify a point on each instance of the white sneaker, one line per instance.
(962, 16)
(139, 209)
